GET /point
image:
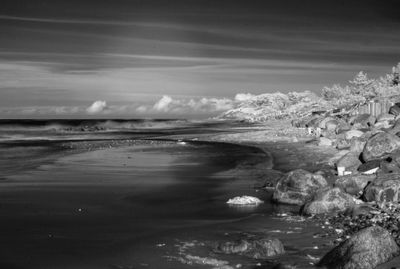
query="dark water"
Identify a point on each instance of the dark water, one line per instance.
(137, 205)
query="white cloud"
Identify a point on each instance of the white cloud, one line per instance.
(240, 97)
(97, 107)
(163, 104)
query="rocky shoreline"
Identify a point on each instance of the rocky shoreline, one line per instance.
(354, 195)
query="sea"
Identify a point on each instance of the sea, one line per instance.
(124, 194)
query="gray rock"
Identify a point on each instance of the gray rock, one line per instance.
(329, 201)
(385, 188)
(380, 145)
(253, 248)
(362, 121)
(354, 184)
(394, 110)
(350, 162)
(385, 117)
(366, 249)
(297, 187)
(369, 165)
(357, 145)
(325, 142)
(353, 133)
(322, 123)
(331, 125)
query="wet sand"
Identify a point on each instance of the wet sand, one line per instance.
(118, 207)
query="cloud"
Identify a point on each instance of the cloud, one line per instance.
(97, 107)
(240, 97)
(163, 104)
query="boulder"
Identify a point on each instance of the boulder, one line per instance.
(329, 201)
(380, 146)
(362, 121)
(389, 165)
(325, 142)
(357, 145)
(353, 133)
(342, 144)
(331, 125)
(366, 249)
(385, 117)
(253, 248)
(349, 162)
(354, 184)
(369, 166)
(383, 125)
(297, 187)
(394, 110)
(396, 127)
(322, 123)
(385, 188)
(343, 126)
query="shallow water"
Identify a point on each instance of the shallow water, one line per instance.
(105, 203)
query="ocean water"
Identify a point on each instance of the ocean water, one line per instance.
(77, 194)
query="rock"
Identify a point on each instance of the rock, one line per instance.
(389, 165)
(385, 188)
(329, 201)
(353, 133)
(350, 162)
(396, 127)
(366, 249)
(342, 144)
(324, 142)
(331, 125)
(394, 110)
(357, 145)
(322, 123)
(383, 125)
(297, 187)
(354, 184)
(253, 248)
(244, 200)
(385, 117)
(380, 145)
(343, 126)
(362, 121)
(369, 165)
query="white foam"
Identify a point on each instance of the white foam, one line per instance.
(244, 200)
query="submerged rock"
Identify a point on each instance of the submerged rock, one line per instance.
(353, 133)
(362, 121)
(329, 201)
(366, 249)
(325, 142)
(380, 145)
(253, 248)
(297, 187)
(244, 200)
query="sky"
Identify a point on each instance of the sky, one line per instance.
(186, 58)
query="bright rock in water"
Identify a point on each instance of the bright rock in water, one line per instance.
(244, 200)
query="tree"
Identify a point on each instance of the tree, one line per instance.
(362, 85)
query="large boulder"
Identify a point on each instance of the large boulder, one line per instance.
(385, 117)
(354, 184)
(253, 248)
(353, 133)
(329, 201)
(349, 162)
(362, 121)
(385, 188)
(394, 110)
(331, 126)
(357, 145)
(322, 123)
(380, 145)
(396, 127)
(325, 142)
(297, 187)
(366, 249)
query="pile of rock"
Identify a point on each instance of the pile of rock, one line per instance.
(363, 202)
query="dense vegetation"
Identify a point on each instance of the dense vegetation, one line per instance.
(360, 89)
